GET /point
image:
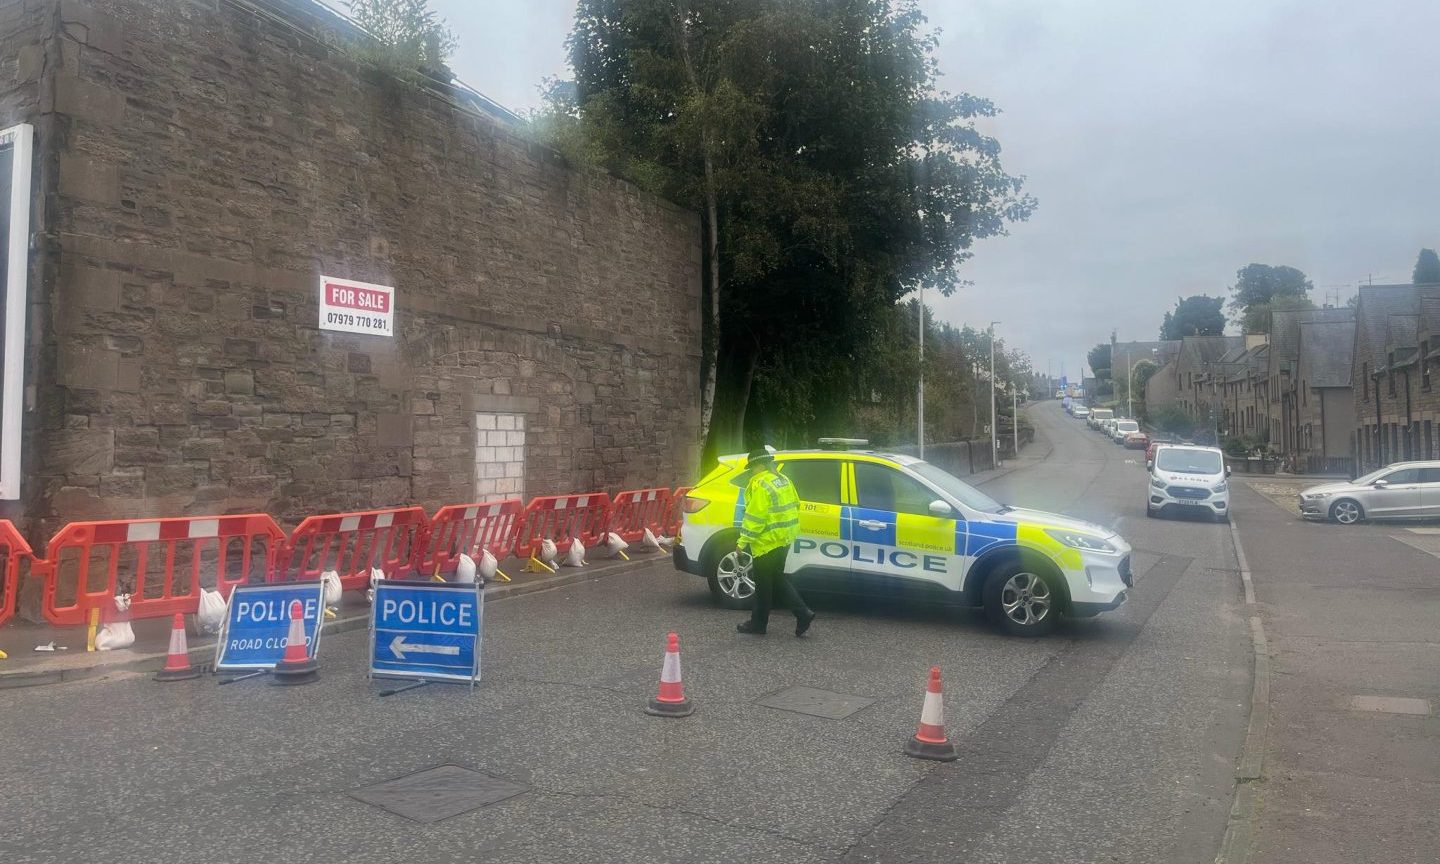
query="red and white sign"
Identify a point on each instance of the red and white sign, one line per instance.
(357, 307)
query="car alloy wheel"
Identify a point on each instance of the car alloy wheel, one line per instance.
(1345, 512)
(733, 576)
(1025, 598)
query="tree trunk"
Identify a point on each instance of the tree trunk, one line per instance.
(742, 395)
(712, 349)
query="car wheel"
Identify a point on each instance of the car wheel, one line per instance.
(1346, 512)
(1223, 518)
(728, 575)
(1150, 511)
(1020, 601)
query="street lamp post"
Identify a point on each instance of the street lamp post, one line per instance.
(994, 429)
(920, 398)
(1015, 417)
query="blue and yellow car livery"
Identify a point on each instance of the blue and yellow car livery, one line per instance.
(886, 525)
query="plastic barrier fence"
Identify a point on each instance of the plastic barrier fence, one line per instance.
(468, 528)
(674, 512)
(352, 543)
(561, 518)
(633, 511)
(14, 550)
(158, 561)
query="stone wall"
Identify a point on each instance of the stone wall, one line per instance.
(213, 162)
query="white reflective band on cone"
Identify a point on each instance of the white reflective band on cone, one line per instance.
(177, 641)
(932, 713)
(670, 674)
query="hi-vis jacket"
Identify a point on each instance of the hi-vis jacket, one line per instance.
(772, 513)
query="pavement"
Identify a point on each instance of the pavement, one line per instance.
(1352, 747)
(1114, 739)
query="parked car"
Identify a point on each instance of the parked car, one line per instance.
(1107, 427)
(1080, 412)
(1120, 428)
(1137, 440)
(1404, 490)
(1189, 478)
(1099, 415)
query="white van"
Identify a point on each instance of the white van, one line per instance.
(1099, 414)
(1189, 478)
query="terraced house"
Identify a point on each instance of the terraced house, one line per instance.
(1393, 367)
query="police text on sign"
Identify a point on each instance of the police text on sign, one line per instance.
(356, 307)
(426, 630)
(257, 624)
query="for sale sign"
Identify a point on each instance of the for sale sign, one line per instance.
(356, 307)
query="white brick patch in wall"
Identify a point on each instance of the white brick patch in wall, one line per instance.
(499, 456)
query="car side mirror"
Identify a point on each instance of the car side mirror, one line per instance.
(1229, 470)
(1381, 484)
(1149, 465)
(941, 509)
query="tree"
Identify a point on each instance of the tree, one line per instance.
(1257, 318)
(1140, 377)
(831, 176)
(1197, 315)
(1257, 284)
(1427, 268)
(409, 36)
(1099, 360)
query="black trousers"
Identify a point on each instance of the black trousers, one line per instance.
(771, 584)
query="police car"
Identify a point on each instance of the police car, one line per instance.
(890, 526)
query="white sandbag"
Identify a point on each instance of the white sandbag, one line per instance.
(210, 613)
(575, 556)
(465, 569)
(116, 634)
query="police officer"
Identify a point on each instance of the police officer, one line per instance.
(770, 525)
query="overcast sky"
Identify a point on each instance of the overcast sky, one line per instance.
(1168, 143)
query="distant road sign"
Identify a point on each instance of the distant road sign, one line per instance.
(426, 630)
(257, 622)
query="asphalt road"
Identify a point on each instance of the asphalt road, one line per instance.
(1112, 740)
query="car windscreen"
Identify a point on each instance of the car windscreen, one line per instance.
(1127, 426)
(957, 488)
(1188, 461)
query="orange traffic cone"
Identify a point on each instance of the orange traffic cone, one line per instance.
(177, 661)
(297, 666)
(930, 741)
(671, 701)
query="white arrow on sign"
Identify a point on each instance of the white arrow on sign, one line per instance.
(398, 647)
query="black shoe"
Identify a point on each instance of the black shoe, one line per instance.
(802, 622)
(749, 627)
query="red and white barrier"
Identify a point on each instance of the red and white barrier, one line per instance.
(562, 518)
(158, 560)
(633, 511)
(352, 543)
(674, 513)
(467, 529)
(13, 552)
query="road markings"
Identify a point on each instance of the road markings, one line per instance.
(1391, 705)
(1240, 831)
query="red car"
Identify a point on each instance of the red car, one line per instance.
(1139, 441)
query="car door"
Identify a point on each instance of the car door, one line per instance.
(1399, 498)
(898, 548)
(819, 557)
(1430, 492)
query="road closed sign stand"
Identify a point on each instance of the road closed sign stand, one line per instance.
(257, 626)
(426, 631)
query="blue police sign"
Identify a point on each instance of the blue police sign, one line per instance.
(257, 623)
(426, 630)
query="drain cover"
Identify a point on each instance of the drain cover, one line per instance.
(438, 793)
(816, 703)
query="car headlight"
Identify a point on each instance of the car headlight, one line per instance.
(1079, 541)
(1221, 486)
(1157, 482)
(1315, 496)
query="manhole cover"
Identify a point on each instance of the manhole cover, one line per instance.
(438, 793)
(817, 703)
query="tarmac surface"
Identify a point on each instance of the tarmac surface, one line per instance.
(1114, 739)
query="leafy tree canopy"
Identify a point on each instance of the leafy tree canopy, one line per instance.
(1427, 268)
(409, 35)
(1257, 284)
(1197, 315)
(840, 177)
(1099, 360)
(1257, 318)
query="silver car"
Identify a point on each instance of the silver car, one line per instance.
(1405, 490)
